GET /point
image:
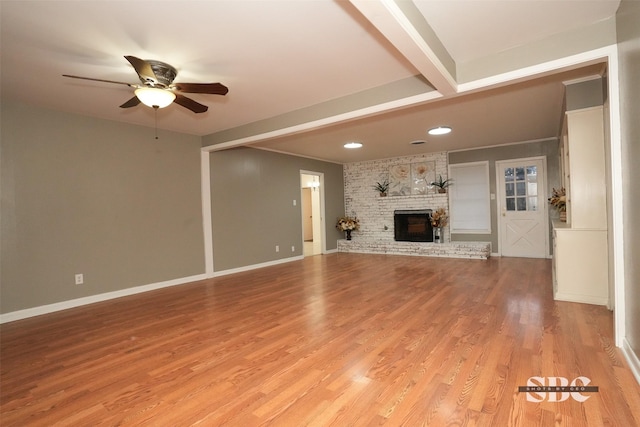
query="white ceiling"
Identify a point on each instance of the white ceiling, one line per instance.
(278, 57)
(472, 29)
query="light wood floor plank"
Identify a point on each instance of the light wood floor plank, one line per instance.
(332, 340)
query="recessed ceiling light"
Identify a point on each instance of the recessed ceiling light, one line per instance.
(440, 130)
(418, 142)
(352, 145)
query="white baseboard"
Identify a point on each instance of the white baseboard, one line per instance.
(632, 359)
(256, 266)
(584, 299)
(64, 305)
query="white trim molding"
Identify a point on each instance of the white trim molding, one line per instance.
(579, 60)
(256, 266)
(632, 359)
(617, 200)
(64, 305)
(207, 222)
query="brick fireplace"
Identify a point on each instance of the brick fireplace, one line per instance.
(376, 214)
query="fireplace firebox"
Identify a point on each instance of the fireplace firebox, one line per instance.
(412, 225)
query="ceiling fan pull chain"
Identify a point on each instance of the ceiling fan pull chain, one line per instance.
(155, 113)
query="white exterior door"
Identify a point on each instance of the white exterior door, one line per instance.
(522, 208)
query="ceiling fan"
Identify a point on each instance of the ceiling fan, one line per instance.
(157, 88)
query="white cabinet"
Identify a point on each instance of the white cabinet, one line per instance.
(580, 265)
(580, 247)
(584, 168)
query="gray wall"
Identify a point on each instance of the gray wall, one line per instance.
(106, 199)
(628, 19)
(252, 193)
(493, 154)
(585, 94)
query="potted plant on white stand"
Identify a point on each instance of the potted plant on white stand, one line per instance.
(439, 220)
(348, 224)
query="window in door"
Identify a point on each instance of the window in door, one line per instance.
(521, 188)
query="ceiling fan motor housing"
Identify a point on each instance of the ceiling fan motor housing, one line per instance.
(165, 73)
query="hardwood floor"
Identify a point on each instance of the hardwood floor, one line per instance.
(339, 339)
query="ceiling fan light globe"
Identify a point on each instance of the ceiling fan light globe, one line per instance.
(154, 97)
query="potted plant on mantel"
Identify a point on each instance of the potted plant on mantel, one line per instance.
(441, 184)
(382, 187)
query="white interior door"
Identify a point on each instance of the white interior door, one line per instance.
(522, 208)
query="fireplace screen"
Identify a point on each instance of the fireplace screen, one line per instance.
(412, 225)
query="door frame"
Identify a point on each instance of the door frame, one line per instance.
(500, 200)
(321, 208)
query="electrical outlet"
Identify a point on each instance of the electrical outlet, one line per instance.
(294, 202)
(293, 248)
(277, 248)
(79, 279)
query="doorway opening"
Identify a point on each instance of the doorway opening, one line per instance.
(312, 192)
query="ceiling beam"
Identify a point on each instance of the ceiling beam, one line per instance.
(407, 30)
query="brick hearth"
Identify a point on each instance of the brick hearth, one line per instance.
(472, 250)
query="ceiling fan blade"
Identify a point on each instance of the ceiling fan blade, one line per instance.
(210, 88)
(98, 80)
(189, 103)
(143, 68)
(131, 103)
